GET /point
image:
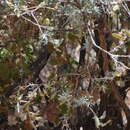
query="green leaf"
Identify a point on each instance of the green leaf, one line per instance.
(72, 36)
(63, 108)
(118, 36)
(126, 31)
(38, 99)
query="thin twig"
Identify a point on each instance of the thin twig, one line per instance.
(113, 56)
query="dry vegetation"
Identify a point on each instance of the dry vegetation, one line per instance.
(64, 64)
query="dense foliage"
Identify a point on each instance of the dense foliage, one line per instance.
(64, 64)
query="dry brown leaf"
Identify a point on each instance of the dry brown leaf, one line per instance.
(52, 112)
(28, 125)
